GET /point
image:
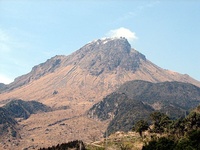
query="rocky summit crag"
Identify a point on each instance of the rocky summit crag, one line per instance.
(107, 55)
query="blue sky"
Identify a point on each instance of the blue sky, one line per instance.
(167, 32)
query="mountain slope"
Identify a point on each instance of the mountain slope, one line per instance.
(135, 100)
(104, 56)
(37, 71)
(7, 124)
(160, 95)
(121, 110)
(90, 73)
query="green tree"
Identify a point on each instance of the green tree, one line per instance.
(183, 144)
(160, 122)
(162, 143)
(193, 121)
(177, 127)
(194, 138)
(141, 126)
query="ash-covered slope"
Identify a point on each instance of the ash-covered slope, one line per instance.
(97, 57)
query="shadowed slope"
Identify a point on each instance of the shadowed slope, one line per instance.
(135, 100)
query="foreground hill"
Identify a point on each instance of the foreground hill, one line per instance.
(121, 110)
(23, 109)
(9, 126)
(135, 100)
(173, 98)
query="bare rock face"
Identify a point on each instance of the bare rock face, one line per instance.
(37, 71)
(106, 55)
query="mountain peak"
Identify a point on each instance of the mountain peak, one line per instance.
(107, 54)
(109, 39)
(114, 41)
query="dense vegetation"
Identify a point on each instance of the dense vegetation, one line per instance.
(23, 109)
(76, 145)
(179, 134)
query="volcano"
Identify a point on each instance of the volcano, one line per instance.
(77, 82)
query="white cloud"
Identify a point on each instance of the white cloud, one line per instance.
(4, 79)
(123, 32)
(9, 41)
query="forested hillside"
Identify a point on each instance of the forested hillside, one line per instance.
(135, 100)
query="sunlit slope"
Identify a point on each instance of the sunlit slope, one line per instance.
(88, 74)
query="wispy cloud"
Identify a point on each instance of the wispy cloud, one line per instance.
(5, 41)
(13, 54)
(139, 9)
(148, 5)
(13, 39)
(123, 32)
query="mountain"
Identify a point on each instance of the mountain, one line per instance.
(135, 100)
(77, 82)
(89, 74)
